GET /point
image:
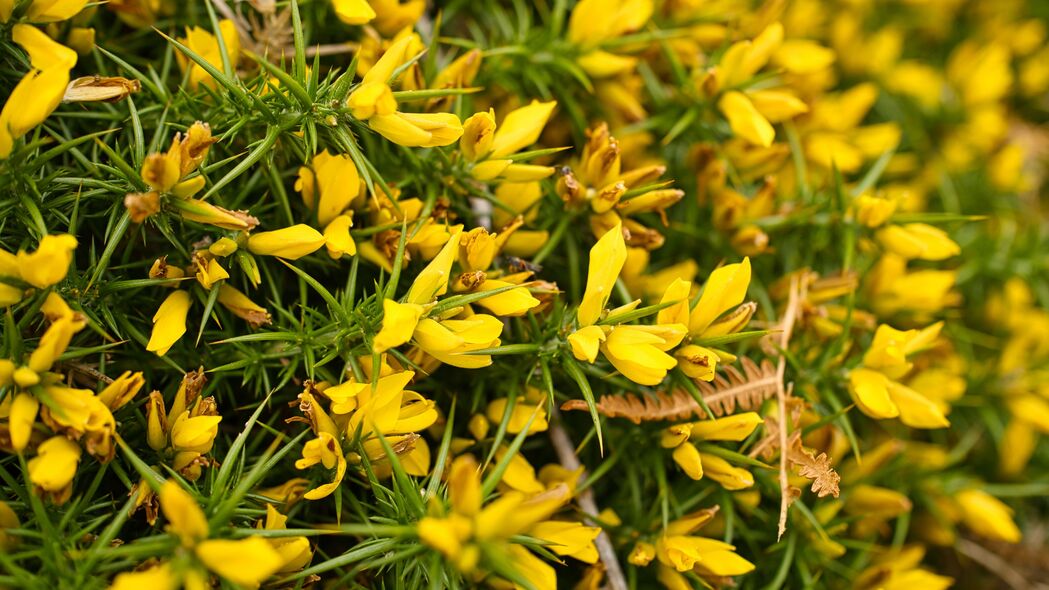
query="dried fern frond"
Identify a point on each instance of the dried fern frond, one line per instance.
(735, 389)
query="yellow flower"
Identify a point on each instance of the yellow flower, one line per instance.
(676, 294)
(52, 344)
(679, 551)
(689, 460)
(520, 128)
(519, 416)
(195, 434)
(734, 428)
(169, 323)
(159, 577)
(353, 12)
(745, 120)
(586, 342)
(206, 45)
(54, 466)
(725, 289)
(511, 303)
(295, 552)
(642, 554)
(697, 362)
(452, 341)
(432, 281)
(21, 419)
(987, 516)
(873, 211)
(571, 539)
(8, 520)
(209, 271)
(478, 134)
(372, 96)
(324, 450)
(156, 422)
(418, 129)
(918, 240)
(876, 502)
(185, 518)
(337, 238)
(329, 185)
(638, 352)
(893, 288)
(593, 21)
(721, 471)
(607, 258)
(49, 263)
(291, 242)
(245, 562)
(394, 15)
(48, 11)
(880, 397)
(40, 91)
(398, 324)
(122, 390)
(683, 553)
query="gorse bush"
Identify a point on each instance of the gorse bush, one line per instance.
(495, 293)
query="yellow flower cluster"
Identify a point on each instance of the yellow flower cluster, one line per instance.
(588, 293)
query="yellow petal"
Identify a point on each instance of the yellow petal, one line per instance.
(291, 242)
(521, 128)
(353, 12)
(801, 56)
(20, 420)
(745, 120)
(729, 476)
(988, 516)
(676, 293)
(571, 539)
(432, 281)
(185, 518)
(54, 466)
(49, 263)
(478, 132)
(606, 261)
(585, 342)
(725, 289)
(735, 427)
(338, 183)
(158, 577)
(519, 416)
(44, 52)
(337, 238)
(398, 324)
(870, 391)
(512, 303)
(169, 323)
(916, 410)
(687, 457)
(697, 362)
(246, 562)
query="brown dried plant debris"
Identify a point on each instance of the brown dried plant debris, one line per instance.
(815, 467)
(728, 393)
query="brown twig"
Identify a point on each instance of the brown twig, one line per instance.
(243, 28)
(993, 563)
(323, 50)
(570, 461)
(787, 325)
